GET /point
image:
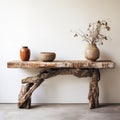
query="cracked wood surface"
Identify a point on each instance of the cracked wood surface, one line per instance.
(61, 64)
(33, 82)
(78, 68)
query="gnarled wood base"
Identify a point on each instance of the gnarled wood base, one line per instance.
(33, 82)
(94, 89)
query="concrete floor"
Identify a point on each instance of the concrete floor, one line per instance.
(60, 112)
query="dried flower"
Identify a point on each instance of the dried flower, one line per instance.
(94, 33)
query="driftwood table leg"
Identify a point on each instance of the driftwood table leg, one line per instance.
(94, 90)
(33, 82)
(26, 92)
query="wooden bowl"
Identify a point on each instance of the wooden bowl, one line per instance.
(47, 56)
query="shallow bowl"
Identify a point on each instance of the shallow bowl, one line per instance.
(47, 56)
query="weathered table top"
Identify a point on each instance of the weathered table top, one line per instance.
(61, 64)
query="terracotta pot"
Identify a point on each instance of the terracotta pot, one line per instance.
(24, 53)
(92, 52)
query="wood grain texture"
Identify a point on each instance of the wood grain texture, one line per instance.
(78, 68)
(62, 64)
(94, 89)
(25, 94)
(33, 82)
(24, 90)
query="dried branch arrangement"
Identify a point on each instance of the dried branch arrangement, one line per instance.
(94, 33)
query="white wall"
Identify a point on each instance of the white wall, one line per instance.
(45, 25)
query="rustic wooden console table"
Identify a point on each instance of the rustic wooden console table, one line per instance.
(79, 68)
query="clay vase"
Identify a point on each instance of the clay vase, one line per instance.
(25, 53)
(92, 52)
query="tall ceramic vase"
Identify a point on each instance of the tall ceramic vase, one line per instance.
(92, 52)
(25, 53)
